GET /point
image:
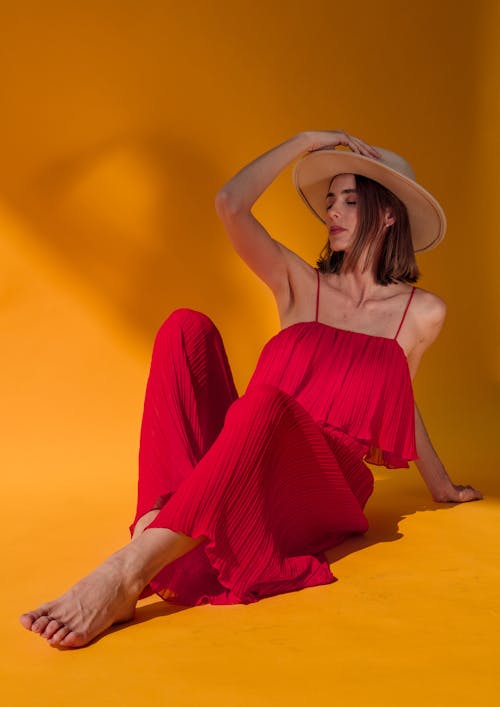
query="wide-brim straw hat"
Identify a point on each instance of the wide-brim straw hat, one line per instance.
(314, 171)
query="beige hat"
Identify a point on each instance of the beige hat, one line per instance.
(314, 171)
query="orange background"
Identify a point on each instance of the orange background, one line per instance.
(119, 122)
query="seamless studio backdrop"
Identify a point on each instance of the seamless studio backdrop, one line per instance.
(119, 122)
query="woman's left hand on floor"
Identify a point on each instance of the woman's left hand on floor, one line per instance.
(459, 494)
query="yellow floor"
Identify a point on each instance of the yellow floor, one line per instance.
(414, 616)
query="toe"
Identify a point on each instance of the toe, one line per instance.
(40, 624)
(30, 618)
(58, 636)
(52, 627)
(73, 640)
(27, 620)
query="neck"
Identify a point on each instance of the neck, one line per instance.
(357, 285)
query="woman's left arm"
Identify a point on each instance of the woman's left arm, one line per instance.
(431, 469)
(432, 313)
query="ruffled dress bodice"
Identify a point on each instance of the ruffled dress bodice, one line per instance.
(350, 383)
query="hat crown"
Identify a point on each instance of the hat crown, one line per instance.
(395, 161)
(315, 170)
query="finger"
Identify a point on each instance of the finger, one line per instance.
(356, 145)
(470, 494)
(365, 149)
(476, 492)
(468, 487)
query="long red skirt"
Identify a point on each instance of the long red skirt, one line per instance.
(255, 475)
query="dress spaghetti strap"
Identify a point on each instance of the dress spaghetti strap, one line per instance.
(404, 314)
(317, 295)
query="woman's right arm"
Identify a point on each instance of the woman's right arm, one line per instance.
(267, 257)
(243, 190)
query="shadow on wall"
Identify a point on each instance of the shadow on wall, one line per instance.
(131, 218)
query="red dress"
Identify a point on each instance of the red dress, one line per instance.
(276, 477)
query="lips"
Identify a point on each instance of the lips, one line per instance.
(336, 229)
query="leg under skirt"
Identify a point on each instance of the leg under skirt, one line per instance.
(255, 475)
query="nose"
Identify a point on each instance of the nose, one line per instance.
(332, 211)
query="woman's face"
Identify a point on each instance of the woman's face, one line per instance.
(342, 211)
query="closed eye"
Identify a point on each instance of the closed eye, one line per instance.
(351, 203)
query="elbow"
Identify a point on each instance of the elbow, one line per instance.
(221, 199)
(225, 204)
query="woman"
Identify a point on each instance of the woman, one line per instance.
(239, 497)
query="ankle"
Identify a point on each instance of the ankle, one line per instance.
(155, 548)
(128, 565)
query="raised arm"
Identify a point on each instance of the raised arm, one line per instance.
(262, 253)
(267, 257)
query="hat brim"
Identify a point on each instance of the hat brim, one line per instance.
(313, 173)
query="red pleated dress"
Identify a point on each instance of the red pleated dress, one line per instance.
(276, 477)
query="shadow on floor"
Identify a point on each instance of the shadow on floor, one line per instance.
(393, 500)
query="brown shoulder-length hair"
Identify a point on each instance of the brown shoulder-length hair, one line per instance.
(390, 250)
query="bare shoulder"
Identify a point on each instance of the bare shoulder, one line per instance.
(429, 313)
(430, 310)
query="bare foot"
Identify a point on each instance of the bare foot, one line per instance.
(102, 598)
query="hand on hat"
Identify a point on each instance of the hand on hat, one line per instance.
(329, 139)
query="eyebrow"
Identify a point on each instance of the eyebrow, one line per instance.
(344, 191)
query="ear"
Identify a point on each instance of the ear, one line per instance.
(389, 218)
